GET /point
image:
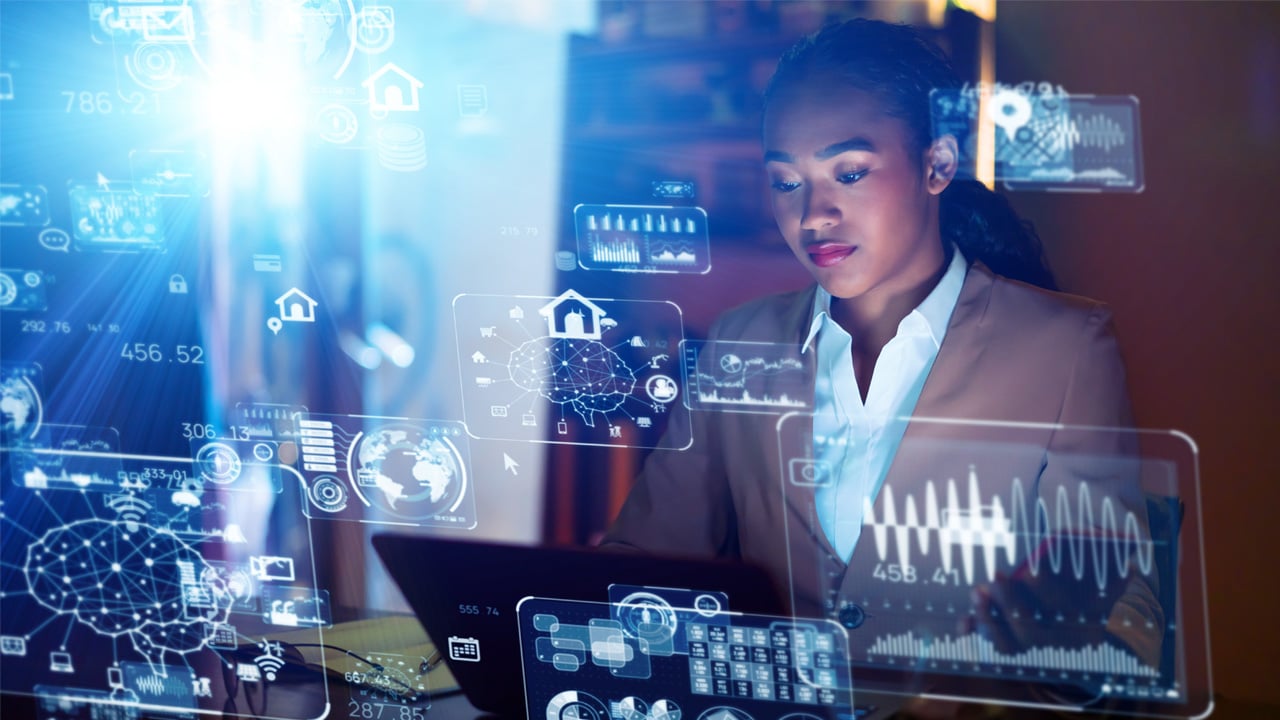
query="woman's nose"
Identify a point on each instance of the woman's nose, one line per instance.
(820, 211)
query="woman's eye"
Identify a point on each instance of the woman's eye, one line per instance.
(850, 178)
(784, 186)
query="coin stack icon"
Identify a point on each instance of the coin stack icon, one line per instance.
(402, 148)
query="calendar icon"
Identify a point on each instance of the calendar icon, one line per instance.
(464, 649)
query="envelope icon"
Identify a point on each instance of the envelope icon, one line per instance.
(167, 24)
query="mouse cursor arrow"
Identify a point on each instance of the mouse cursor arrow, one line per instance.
(509, 463)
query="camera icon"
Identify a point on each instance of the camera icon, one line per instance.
(807, 472)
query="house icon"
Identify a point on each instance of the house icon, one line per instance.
(391, 89)
(296, 306)
(573, 316)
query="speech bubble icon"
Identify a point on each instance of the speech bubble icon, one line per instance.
(274, 324)
(1010, 110)
(55, 239)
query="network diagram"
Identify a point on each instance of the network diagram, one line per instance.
(127, 579)
(569, 369)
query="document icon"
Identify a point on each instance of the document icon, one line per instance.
(465, 649)
(167, 24)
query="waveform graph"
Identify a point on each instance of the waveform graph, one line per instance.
(643, 238)
(1097, 131)
(1097, 147)
(745, 377)
(1087, 534)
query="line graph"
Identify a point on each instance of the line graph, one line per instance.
(987, 527)
(739, 376)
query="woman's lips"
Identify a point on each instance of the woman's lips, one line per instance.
(828, 254)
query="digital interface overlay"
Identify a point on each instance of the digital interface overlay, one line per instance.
(643, 238)
(569, 369)
(580, 662)
(749, 377)
(981, 572)
(386, 470)
(126, 580)
(1046, 139)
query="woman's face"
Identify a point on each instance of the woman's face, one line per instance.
(855, 205)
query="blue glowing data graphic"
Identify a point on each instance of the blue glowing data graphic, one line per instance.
(568, 369)
(21, 405)
(751, 377)
(128, 579)
(1047, 139)
(112, 217)
(1052, 534)
(643, 238)
(386, 470)
(996, 566)
(732, 665)
(22, 290)
(67, 457)
(23, 205)
(654, 614)
(169, 173)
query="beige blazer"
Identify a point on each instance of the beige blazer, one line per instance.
(1012, 353)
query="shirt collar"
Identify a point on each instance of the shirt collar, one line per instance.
(935, 310)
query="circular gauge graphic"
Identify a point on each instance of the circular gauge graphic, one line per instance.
(665, 710)
(218, 463)
(337, 124)
(154, 67)
(375, 29)
(263, 452)
(408, 471)
(723, 712)
(21, 411)
(328, 494)
(731, 364)
(646, 616)
(576, 705)
(8, 290)
(706, 605)
(633, 708)
(390, 679)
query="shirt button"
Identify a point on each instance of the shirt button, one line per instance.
(852, 615)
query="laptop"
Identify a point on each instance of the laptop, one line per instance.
(466, 595)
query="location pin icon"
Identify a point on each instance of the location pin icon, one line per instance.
(274, 324)
(1010, 110)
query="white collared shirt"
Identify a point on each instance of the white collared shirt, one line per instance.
(855, 442)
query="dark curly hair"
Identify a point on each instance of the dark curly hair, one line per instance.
(897, 65)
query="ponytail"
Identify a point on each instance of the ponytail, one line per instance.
(985, 227)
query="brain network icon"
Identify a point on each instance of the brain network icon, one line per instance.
(128, 579)
(583, 374)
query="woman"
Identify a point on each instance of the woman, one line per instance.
(931, 300)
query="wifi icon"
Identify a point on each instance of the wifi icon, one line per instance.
(129, 508)
(269, 664)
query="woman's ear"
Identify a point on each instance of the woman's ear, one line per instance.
(942, 159)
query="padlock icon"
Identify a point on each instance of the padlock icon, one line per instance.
(178, 285)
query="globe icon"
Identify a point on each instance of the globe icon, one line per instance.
(20, 407)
